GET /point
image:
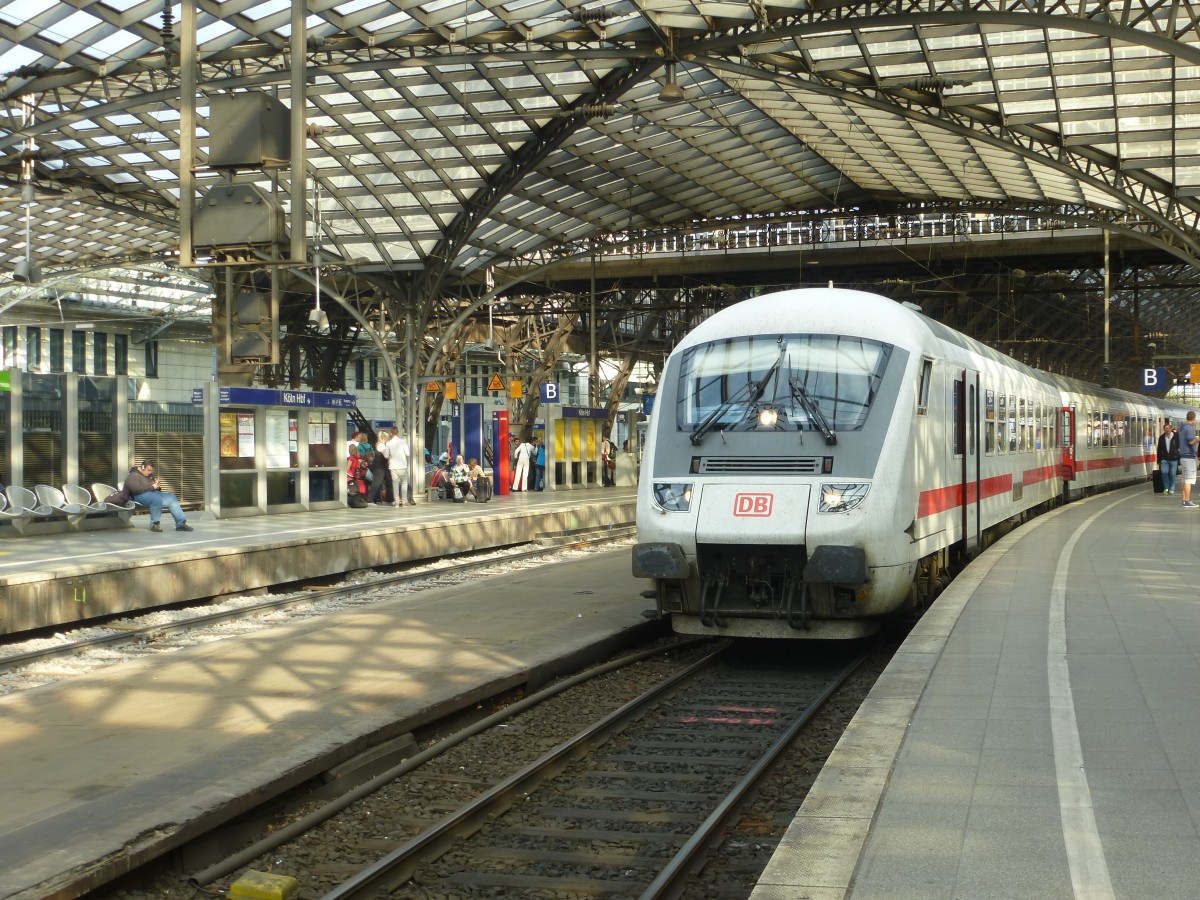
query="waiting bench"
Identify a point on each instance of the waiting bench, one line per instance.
(72, 504)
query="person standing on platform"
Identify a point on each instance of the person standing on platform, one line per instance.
(396, 451)
(356, 475)
(607, 463)
(521, 472)
(1168, 457)
(1187, 457)
(379, 472)
(144, 488)
(539, 465)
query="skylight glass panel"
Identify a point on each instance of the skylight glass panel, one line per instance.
(14, 58)
(212, 31)
(73, 25)
(113, 46)
(386, 22)
(269, 8)
(354, 6)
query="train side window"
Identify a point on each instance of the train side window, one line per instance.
(972, 419)
(1001, 424)
(1012, 423)
(923, 386)
(1021, 426)
(959, 416)
(989, 422)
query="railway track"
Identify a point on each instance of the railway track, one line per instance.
(628, 806)
(127, 632)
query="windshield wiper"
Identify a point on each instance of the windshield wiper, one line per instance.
(753, 393)
(814, 411)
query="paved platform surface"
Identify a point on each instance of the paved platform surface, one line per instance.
(49, 580)
(1038, 735)
(100, 771)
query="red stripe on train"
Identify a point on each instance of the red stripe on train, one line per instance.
(951, 497)
(1034, 476)
(1109, 462)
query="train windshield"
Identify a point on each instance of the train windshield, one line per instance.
(790, 382)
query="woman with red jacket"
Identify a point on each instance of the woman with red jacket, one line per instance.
(356, 472)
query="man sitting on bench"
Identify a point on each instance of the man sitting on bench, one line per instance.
(143, 487)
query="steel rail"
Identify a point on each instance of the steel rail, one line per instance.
(672, 879)
(399, 866)
(134, 635)
(329, 810)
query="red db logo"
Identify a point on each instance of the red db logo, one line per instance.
(753, 504)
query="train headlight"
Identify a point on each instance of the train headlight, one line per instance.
(767, 417)
(673, 496)
(842, 497)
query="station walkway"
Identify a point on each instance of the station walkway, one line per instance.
(103, 772)
(1038, 734)
(48, 580)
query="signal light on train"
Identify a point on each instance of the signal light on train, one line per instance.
(673, 497)
(842, 497)
(767, 417)
(827, 465)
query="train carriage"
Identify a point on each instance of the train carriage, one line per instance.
(820, 459)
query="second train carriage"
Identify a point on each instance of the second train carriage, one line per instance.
(818, 458)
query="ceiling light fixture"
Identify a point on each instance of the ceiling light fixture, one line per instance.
(317, 317)
(26, 271)
(671, 91)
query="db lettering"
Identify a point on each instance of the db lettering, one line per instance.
(753, 504)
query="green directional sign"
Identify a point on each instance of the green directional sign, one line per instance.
(5, 380)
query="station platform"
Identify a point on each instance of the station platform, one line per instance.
(103, 772)
(50, 580)
(1037, 735)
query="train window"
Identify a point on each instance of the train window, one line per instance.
(972, 419)
(989, 422)
(959, 418)
(923, 387)
(1001, 419)
(1012, 423)
(1106, 430)
(1022, 426)
(809, 382)
(1094, 429)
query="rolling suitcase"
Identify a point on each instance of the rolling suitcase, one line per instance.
(1158, 482)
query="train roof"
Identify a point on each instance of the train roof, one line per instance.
(828, 309)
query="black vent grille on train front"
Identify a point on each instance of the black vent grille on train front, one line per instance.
(771, 465)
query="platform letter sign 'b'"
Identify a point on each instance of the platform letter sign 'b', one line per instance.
(549, 392)
(1154, 379)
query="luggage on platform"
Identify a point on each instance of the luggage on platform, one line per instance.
(1158, 482)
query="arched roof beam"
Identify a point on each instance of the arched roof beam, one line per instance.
(522, 162)
(1152, 198)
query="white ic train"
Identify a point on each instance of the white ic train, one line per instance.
(820, 459)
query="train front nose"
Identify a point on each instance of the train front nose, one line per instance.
(763, 512)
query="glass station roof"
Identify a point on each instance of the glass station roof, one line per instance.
(454, 134)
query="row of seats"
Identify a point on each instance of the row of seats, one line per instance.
(19, 506)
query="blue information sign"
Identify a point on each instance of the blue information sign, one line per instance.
(549, 391)
(1154, 379)
(240, 396)
(583, 412)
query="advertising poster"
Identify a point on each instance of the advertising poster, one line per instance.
(245, 434)
(229, 443)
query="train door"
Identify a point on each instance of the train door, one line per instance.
(1067, 441)
(966, 439)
